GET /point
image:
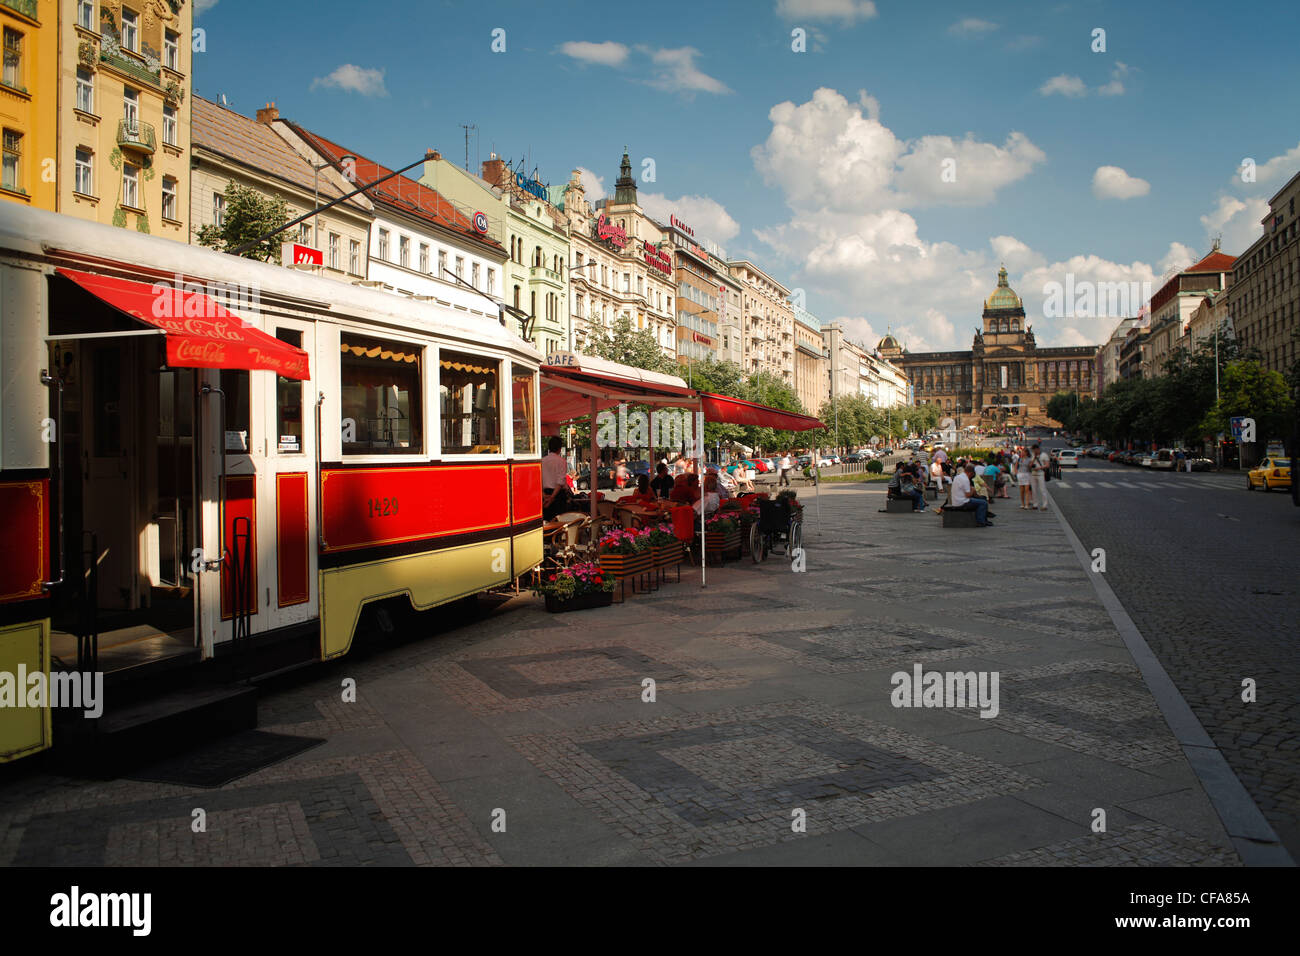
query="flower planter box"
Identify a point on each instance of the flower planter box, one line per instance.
(722, 542)
(581, 602)
(668, 555)
(626, 565)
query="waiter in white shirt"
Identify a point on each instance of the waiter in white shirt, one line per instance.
(555, 489)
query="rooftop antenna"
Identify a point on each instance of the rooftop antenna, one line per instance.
(467, 127)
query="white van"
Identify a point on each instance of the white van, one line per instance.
(1068, 458)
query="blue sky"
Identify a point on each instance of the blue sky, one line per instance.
(841, 194)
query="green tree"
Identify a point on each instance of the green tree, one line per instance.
(248, 215)
(1248, 389)
(629, 346)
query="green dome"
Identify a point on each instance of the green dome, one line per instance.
(888, 342)
(1003, 296)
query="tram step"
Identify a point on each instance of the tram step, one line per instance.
(137, 734)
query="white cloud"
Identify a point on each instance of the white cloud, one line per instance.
(608, 53)
(203, 6)
(1065, 85)
(354, 79)
(1112, 182)
(972, 26)
(1279, 167)
(846, 11)
(829, 146)
(1023, 42)
(676, 72)
(1116, 85)
(1236, 221)
(706, 216)
(593, 186)
(1178, 258)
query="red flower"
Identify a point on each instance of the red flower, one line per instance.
(552, 577)
(596, 579)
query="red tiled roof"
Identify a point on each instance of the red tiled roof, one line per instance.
(235, 136)
(1214, 262)
(400, 192)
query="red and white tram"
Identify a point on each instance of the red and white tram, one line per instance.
(196, 447)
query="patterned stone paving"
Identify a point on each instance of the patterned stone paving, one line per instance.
(867, 645)
(1082, 619)
(688, 787)
(1142, 844)
(1092, 707)
(497, 682)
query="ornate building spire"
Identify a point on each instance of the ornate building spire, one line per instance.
(625, 185)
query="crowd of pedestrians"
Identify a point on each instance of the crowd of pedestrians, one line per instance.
(971, 484)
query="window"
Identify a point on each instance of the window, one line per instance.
(383, 244)
(130, 30)
(404, 251)
(442, 264)
(169, 125)
(380, 393)
(492, 281)
(169, 198)
(13, 70)
(470, 418)
(523, 409)
(85, 91)
(85, 172)
(131, 185)
(131, 110)
(354, 257)
(218, 210)
(235, 386)
(86, 14)
(460, 267)
(13, 150)
(473, 275)
(171, 50)
(288, 402)
(424, 257)
(334, 250)
(304, 233)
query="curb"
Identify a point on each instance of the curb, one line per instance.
(1252, 836)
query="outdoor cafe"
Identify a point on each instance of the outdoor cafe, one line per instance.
(637, 542)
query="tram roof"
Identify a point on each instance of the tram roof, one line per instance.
(93, 246)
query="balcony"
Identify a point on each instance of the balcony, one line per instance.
(543, 274)
(136, 135)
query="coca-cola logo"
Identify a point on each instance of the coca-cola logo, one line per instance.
(208, 353)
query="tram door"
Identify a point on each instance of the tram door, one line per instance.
(109, 467)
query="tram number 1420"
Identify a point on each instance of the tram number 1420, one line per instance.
(383, 507)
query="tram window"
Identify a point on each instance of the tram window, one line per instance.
(288, 402)
(234, 383)
(380, 394)
(471, 421)
(524, 409)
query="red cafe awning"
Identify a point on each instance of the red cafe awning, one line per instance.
(200, 332)
(736, 411)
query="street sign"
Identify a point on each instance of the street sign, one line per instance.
(298, 254)
(1236, 426)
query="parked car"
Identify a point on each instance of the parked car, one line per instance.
(1164, 459)
(1147, 459)
(1068, 458)
(1202, 464)
(603, 480)
(760, 465)
(1269, 474)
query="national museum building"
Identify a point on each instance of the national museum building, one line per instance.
(1004, 376)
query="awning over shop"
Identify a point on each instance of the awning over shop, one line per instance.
(735, 411)
(201, 333)
(572, 383)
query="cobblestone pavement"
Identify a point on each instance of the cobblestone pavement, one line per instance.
(752, 722)
(1210, 575)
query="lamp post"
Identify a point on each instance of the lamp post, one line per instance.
(572, 270)
(315, 190)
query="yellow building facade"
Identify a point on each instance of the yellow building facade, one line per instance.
(124, 113)
(28, 107)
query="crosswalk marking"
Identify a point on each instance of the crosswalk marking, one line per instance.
(1084, 484)
(1129, 484)
(1105, 484)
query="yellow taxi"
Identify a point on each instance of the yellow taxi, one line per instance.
(1269, 474)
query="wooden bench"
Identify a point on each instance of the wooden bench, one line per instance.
(956, 518)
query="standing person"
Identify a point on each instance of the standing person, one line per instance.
(1023, 477)
(555, 488)
(1179, 457)
(1039, 462)
(786, 464)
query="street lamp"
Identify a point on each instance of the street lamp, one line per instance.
(315, 190)
(572, 270)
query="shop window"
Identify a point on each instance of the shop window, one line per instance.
(470, 414)
(524, 409)
(235, 387)
(381, 397)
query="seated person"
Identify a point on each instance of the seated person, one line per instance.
(663, 482)
(686, 489)
(980, 485)
(895, 487)
(709, 500)
(910, 487)
(726, 484)
(963, 498)
(643, 495)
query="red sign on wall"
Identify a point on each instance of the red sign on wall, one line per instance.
(297, 254)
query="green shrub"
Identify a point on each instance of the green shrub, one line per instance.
(875, 466)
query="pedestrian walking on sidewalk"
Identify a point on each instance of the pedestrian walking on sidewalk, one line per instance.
(1039, 462)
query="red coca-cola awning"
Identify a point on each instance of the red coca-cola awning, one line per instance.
(736, 411)
(201, 333)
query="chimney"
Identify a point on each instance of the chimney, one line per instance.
(268, 114)
(494, 171)
(436, 155)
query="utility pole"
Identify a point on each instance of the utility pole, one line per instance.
(467, 127)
